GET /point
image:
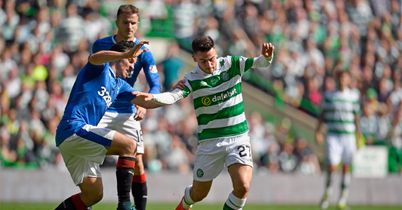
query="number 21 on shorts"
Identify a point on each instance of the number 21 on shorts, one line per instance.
(244, 150)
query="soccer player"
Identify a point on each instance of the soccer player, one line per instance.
(82, 144)
(123, 116)
(340, 113)
(222, 127)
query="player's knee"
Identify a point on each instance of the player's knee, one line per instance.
(242, 189)
(130, 148)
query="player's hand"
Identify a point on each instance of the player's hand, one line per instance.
(136, 50)
(179, 85)
(143, 96)
(267, 50)
(319, 138)
(140, 113)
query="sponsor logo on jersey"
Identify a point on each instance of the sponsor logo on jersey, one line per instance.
(206, 100)
(153, 69)
(224, 96)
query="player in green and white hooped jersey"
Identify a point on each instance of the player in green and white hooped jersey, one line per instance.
(215, 85)
(340, 113)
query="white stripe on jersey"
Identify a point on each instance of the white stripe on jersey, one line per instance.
(342, 126)
(339, 116)
(340, 106)
(223, 122)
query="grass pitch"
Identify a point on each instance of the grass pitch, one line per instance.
(200, 206)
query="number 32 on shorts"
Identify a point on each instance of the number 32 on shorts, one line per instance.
(244, 150)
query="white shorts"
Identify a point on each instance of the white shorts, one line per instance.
(126, 124)
(213, 155)
(340, 148)
(85, 151)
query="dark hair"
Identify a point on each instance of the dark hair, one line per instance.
(122, 46)
(202, 44)
(128, 8)
(341, 72)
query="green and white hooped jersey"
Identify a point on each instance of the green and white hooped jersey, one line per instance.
(217, 98)
(340, 109)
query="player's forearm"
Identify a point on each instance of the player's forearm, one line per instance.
(168, 98)
(262, 61)
(152, 101)
(146, 104)
(105, 56)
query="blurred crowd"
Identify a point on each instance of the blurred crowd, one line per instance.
(43, 43)
(313, 39)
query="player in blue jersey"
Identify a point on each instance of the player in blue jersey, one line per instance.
(124, 116)
(82, 144)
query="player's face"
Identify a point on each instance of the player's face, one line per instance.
(207, 61)
(124, 67)
(127, 25)
(344, 80)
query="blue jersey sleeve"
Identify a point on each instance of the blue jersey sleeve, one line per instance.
(151, 72)
(92, 71)
(95, 47)
(102, 44)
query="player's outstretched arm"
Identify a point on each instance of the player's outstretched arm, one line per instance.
(151, 101)
(105, 56)
(144, 100)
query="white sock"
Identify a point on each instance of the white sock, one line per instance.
(187, 201)
(235, 202)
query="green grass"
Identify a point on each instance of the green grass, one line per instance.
(200, 206)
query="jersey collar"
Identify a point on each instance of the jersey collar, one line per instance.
(111, 70)
(199, 71)
(115, 41)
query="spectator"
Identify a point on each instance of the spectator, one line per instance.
(368, 123)
(307, 161)
(171, 66)
(286, 158)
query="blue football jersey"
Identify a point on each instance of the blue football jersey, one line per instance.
(93, 92)
(145, 61)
